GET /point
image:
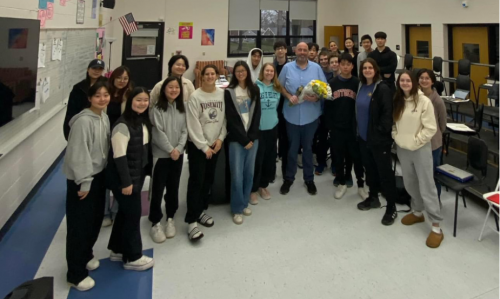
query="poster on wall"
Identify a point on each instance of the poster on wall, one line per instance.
(186, 30)
(50, 11)
(207, 37)
(94, 9)
(42, 16)
(62, 2)
(99, 43)
(42, 4)
(42, 48)
(80, 12)
(57, 46)
(18, 38)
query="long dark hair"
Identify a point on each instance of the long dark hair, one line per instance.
(162, 103)
(371, 61)
(122, 93)
(94, 89)
(399, 97)
(353, 46)
(132, 117)
(172, 61)
(253, 91)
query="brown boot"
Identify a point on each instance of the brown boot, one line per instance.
(434, 240)
(411, 219)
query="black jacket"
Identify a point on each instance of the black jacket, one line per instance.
(380, 121)
(387, 62)
(235, 130)
(339, 111)
(78, 100)
(132, 168)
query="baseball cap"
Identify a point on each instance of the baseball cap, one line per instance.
(96, 63)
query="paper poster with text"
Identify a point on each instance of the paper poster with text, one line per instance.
(185, 30)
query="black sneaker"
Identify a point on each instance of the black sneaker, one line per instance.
(390, 215)
(285, 188)
(311, 187)
(369, 203)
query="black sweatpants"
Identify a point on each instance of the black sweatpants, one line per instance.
(126, 234)
(265, 162)
(320, 144)
(379, 173)
(345, 145)
(83, 219)
(167, 173)
(201, 179)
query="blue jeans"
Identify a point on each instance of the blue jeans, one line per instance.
(436, 157)
(241, 164)
(300, 136)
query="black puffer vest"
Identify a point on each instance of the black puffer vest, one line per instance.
(134, 168)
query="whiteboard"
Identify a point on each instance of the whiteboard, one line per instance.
(78, 51)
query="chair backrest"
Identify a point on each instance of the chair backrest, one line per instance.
(439, 87)
(437, 64)
(477, 154)
(478, 117)
(464, 67)
(496, 72)
(408, 61)
(414, 72)
(463, 82)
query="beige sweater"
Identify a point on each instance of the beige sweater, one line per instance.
(417, 126)
(187, 89)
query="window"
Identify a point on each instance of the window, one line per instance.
(275, 25)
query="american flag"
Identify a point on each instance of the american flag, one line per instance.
(128, 23)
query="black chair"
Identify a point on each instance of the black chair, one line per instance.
(477, 158)
(407, 64)
(437, 67)
(490, 87)
(478, 125)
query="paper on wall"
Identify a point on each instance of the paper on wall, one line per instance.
(45, 86)
(151, 50)
(37, 98)
(57, 45)
(41, 55)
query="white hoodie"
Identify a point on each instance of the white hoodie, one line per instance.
(255, 72)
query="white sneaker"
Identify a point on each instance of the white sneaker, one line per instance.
(238, 219)
(362, 193)
(93, 264)
(86, 284)
(115, 257)
(144, 263)
(247, 212)
(157, 233)
(170, 229)
(107, 222)
(253, 198)
(341, 190)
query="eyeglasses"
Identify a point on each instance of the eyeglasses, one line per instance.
(122, 79)
(280, 49)
(241, 72)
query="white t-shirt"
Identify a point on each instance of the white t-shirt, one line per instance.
(244, 103)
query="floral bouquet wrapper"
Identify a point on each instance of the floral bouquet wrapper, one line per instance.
(315, 87)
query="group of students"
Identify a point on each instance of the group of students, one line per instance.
(119, 134)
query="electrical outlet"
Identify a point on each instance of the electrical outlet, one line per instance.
(203, 53)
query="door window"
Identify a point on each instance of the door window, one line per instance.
(471, 52)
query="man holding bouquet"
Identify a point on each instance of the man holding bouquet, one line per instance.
(301, 115)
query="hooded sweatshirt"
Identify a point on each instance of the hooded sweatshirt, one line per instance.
(255, 71)
(269, 100)
(387, 62)
(88, 147)
(169, 130)
(417, 124)
(205, 115)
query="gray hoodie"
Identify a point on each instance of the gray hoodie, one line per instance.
(169, 131)
(255, 72)
(88, 147)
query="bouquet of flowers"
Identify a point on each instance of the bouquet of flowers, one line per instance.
(315, 87)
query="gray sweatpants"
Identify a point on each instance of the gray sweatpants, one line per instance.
(418, 177)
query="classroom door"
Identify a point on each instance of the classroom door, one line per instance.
(420, 44)
(336, 34)
(472, 43)
(143, 53)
